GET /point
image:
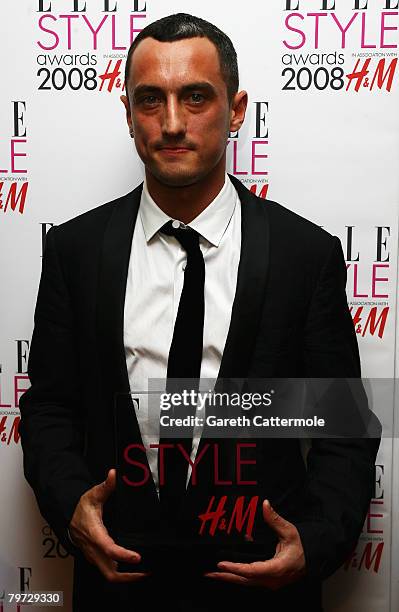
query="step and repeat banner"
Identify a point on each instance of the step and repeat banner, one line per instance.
(321, 137)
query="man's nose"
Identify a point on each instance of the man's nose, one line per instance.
(174, 123)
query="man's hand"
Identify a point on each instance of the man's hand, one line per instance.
(91, 536)
(287, 565)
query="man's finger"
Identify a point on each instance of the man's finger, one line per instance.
(108, 568)
(252, 571)
(102, 491)
(110, 549)
(226, 577)
(118, 553)
(283, 528)
(268, 582)
(126, 577)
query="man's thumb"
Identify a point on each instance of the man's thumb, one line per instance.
(103, 490)
(282, 527)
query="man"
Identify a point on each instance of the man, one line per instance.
(266, 289)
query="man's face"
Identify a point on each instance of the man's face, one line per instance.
(178, 107)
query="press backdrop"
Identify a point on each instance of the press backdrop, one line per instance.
(321, 137)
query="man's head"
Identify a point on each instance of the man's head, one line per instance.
(182, 99)
(182, 26)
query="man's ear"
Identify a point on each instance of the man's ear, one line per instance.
(238, 109)
(125, 102)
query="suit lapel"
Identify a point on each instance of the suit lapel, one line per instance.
(251, 283)
(243, 330)
(114, 265)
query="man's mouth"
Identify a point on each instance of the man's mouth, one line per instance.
(174, 150)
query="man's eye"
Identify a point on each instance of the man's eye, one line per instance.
(196, 98)
(149, 100)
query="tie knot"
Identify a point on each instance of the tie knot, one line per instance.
(188, 238)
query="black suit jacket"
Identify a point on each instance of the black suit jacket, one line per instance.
(289, 319)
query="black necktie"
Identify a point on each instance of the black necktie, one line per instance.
(184, 362)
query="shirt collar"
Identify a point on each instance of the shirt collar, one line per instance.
(211, 223)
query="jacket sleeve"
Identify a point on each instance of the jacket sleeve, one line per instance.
(340, 470)
(52, 425)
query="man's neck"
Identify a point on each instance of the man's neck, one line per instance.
(186, 203)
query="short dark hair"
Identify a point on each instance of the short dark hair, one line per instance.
(183, 25)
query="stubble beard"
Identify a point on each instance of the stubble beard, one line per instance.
(179, 176)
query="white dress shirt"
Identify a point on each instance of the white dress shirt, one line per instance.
(154, 285)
